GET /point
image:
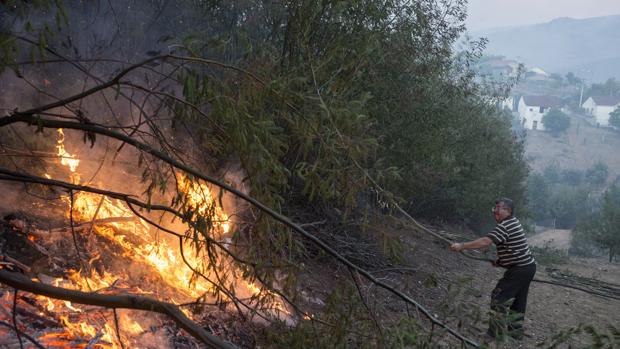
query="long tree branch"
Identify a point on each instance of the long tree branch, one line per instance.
(29, 118)
(9, 175)
(129, 301)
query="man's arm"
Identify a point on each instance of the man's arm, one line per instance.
(481, 243)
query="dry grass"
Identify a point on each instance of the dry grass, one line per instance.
(579, 148)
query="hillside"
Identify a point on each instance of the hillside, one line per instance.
(579, 148)
(456, 288)
(589, 47)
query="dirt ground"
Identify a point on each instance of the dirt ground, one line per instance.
(551, 309)
(579, 148)
(553, 238)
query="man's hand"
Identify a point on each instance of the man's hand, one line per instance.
(456, 247)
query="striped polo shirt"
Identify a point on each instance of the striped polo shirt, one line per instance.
(509, 238)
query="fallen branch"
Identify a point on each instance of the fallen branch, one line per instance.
(21, 282)
(21, 333)
(29, 229)
(15, 262)
(576, 288)
(6, 174)
(29, 117)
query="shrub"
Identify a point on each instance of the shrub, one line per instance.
(556, 121)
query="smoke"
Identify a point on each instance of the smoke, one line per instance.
(10, 198)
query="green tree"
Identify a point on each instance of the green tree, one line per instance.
(582, 238)
(567, 205)
(597, 174)
(601, 229)
(614, 118)
(538, 193)
(572, 177)
(309, 100)
(608, 237)
(572, 79)
(611, 87)
(552, 173)
(556, 121)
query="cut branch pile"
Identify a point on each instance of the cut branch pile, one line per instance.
(593, 286)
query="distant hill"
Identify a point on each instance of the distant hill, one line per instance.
(588, 47)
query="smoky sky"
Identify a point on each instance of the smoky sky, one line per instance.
(486, 14)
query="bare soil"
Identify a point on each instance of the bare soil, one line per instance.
(558, 239)
(551, 309)
(579, 148)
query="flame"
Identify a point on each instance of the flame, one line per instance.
(138, 243)
(67, 159)
(200, 199)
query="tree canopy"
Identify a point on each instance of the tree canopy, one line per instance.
(614, 118)
(556, 121)
(600, 229)
(298, 108)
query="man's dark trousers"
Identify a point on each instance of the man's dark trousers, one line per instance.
(513, 287)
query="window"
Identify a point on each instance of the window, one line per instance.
(534, 124)
(531, 109)
(541, 110)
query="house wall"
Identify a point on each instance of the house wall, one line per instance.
(589, 106)
(508, 103)
(531, 115)
(601, 113)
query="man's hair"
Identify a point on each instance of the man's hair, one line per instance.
(507, 203)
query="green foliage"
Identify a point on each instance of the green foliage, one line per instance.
(608, 236)
(308, 98)
(600, 229)
(582, 238)
(611, 87)
(552, 173)
(556, 121)
(343, 324)
(572, 177)
(538, 191)
(563, 197)
(405, 333)
(572, 79)
(548, 256)
(567, 204)
(597, 174)
(346, 91)
(361, 89)
(614, 118)
(584, 336)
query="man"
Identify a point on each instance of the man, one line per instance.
(513, 253)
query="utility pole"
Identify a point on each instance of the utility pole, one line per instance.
(581, 95)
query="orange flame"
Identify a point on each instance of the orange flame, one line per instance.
(139, 244)
(67, 159)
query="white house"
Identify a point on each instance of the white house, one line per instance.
(600, 107)
(499, 68)
(536, 74)
(508, 103)
(532, 108)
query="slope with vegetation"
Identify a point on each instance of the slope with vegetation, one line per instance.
(321, 112)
